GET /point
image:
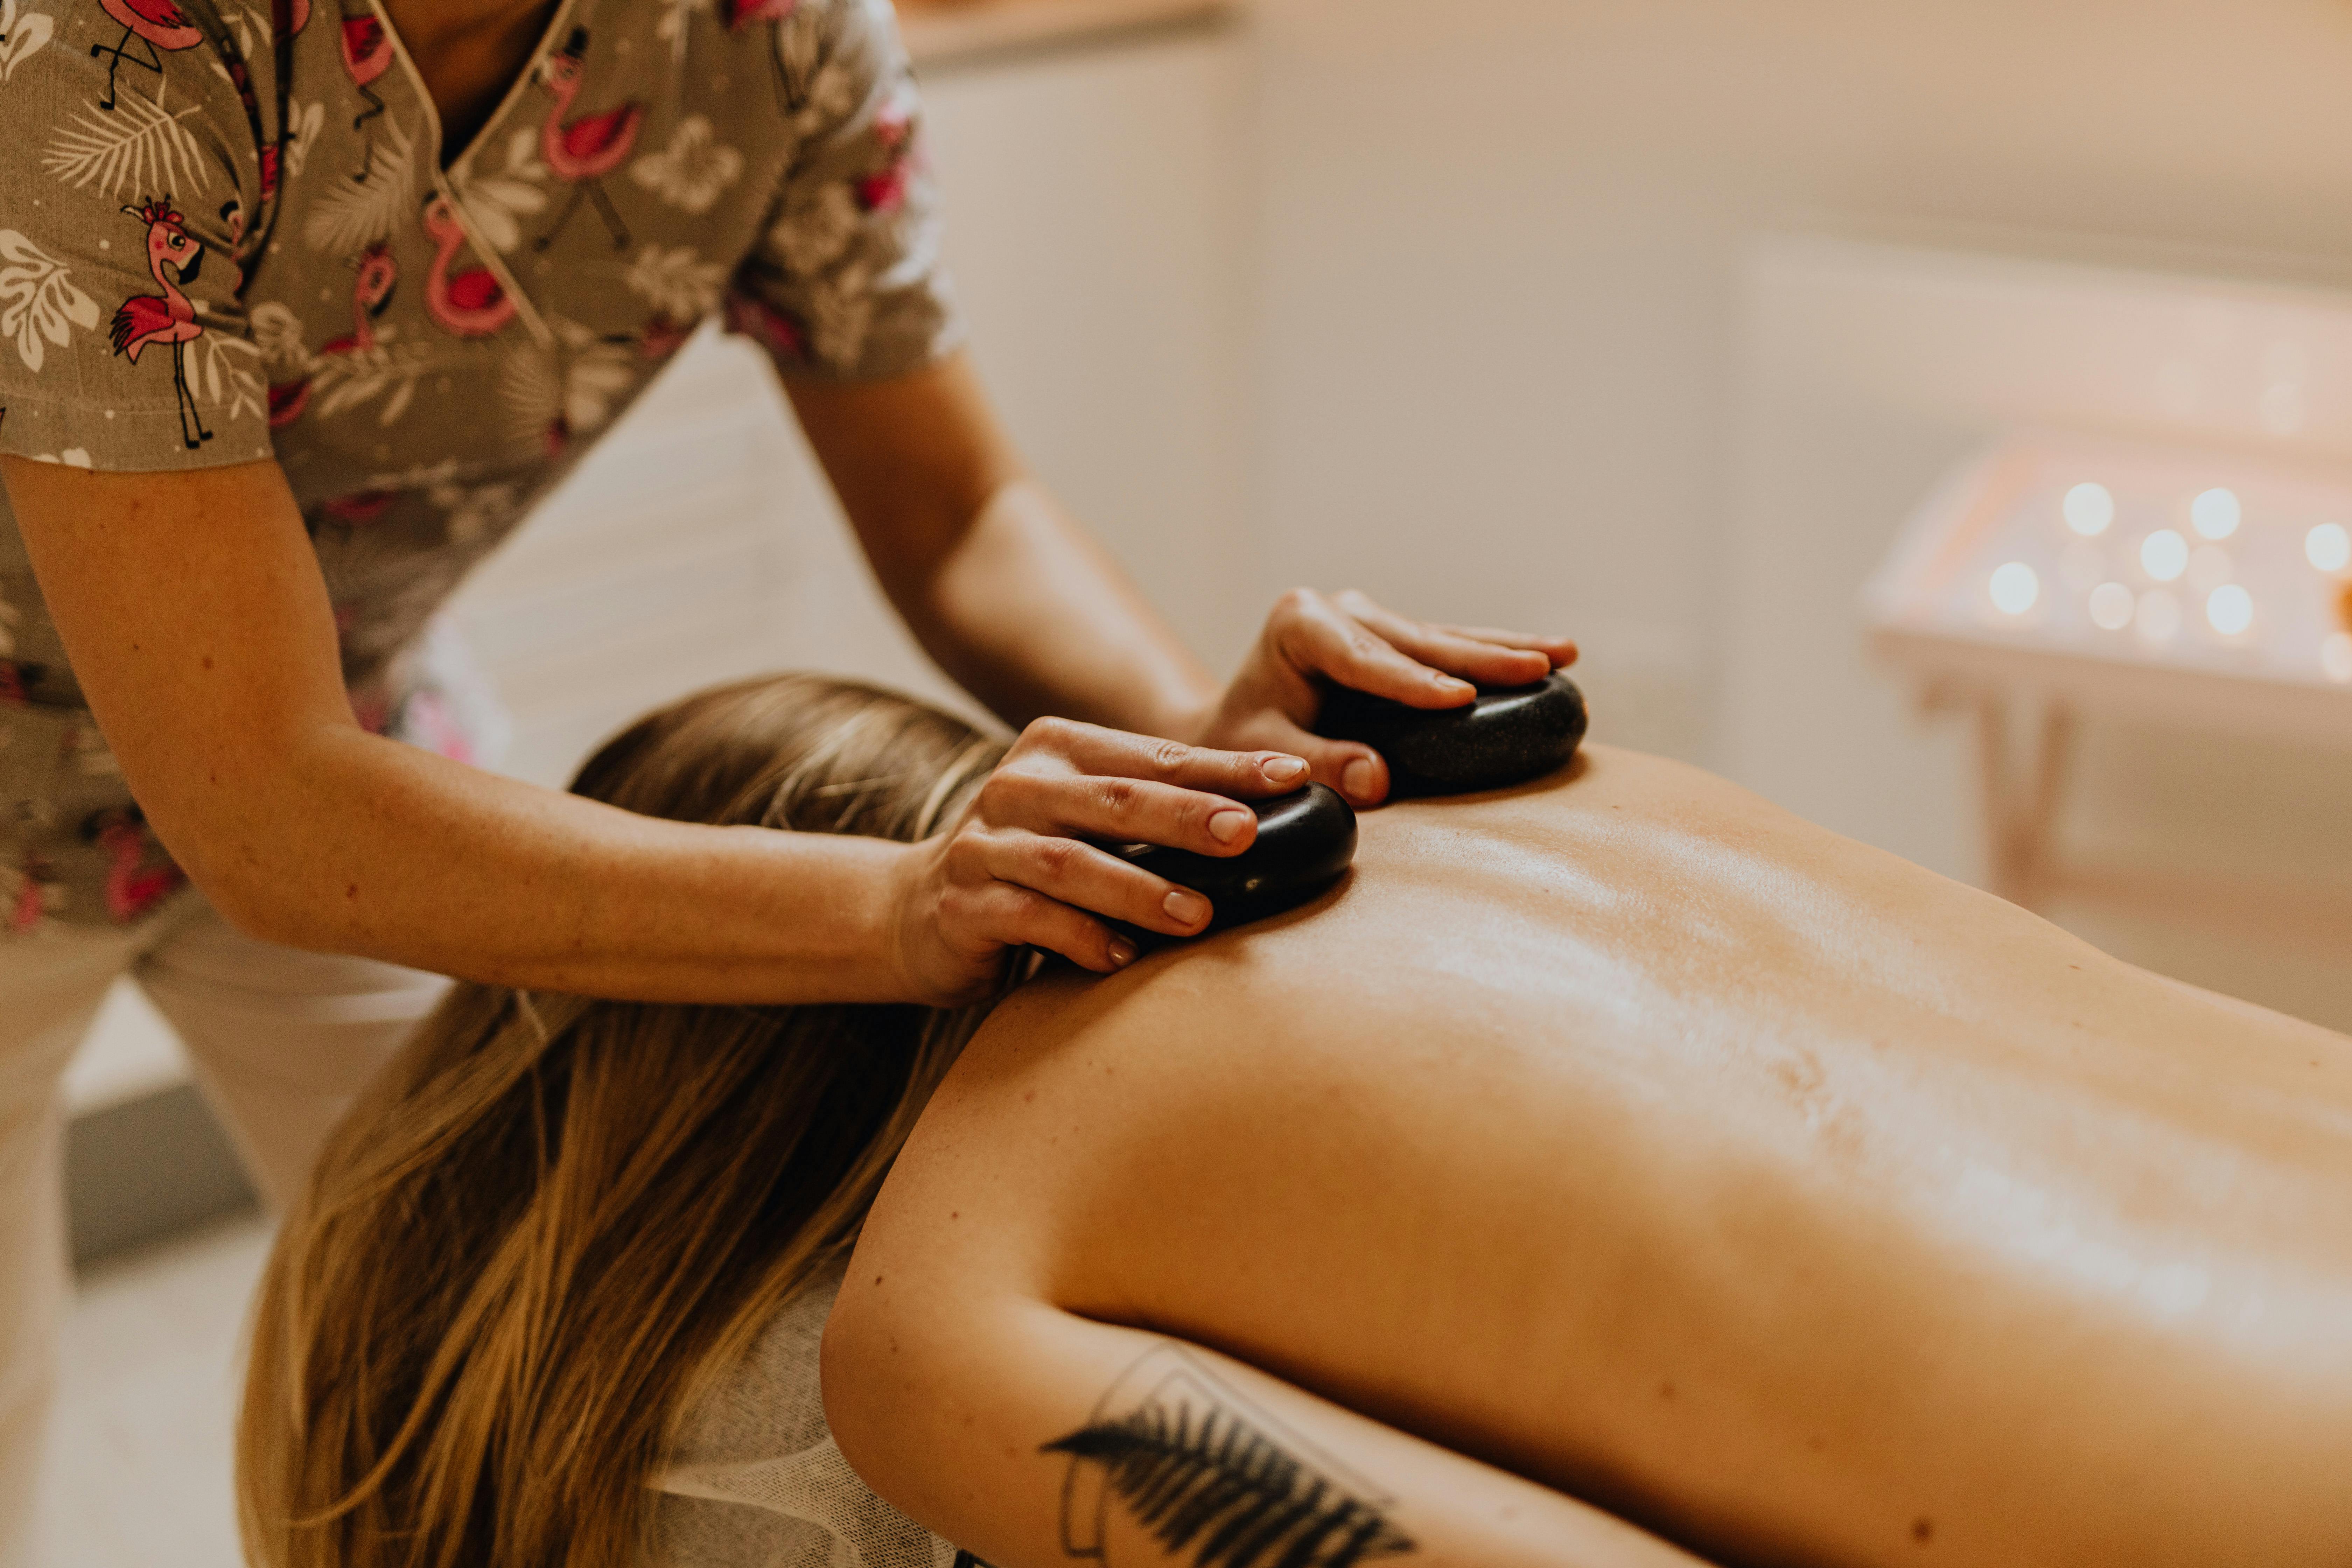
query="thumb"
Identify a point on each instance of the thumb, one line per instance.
(1353, 768)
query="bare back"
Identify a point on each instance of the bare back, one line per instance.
(1641, 1139)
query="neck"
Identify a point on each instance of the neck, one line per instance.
(432, 26)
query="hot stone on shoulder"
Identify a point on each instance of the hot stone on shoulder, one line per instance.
(1508, 735)
(1304, 842)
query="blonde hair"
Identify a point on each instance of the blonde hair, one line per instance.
(552, 1219)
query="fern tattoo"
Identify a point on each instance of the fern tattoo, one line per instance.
(1210, 1478)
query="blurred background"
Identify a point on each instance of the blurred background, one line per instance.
(1654, 323)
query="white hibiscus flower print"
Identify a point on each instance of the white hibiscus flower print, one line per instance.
(676, 282)
(26, 32)
(38, 301)
(693, 170)
(72, 456)
(831, 95)
(811, 235)
(841, 313)
(498, 203)
(11, 618)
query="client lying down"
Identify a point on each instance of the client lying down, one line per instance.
(1614, 1170)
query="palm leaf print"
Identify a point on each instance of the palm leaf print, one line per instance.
(225, 366)
(356, 213)
(138, 148)
(1209, 1485)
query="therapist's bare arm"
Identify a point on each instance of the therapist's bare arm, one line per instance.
(192, 609)
(1004, 591)
(1013, 598)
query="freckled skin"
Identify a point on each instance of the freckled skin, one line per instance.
(1636, 1136)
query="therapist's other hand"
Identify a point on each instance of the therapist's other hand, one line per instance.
(1348, 640)
(1016, 870)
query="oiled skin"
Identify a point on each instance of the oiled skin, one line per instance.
(1635, 1135)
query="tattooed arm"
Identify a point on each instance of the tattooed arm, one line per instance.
(1040, 1438)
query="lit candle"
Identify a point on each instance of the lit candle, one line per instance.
(2216, 514)
(2089, 510)
(2015, 588)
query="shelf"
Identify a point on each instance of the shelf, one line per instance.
(942, 31)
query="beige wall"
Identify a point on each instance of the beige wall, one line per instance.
(1501, 241)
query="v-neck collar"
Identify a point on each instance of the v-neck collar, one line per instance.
(559, 20)
(450, 180)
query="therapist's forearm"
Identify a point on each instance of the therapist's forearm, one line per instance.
(1030, 614)
(346, 842)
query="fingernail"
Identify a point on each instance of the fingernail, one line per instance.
(1186, 908)
(1282, 770)
(1122, 952)
(1224, 826)
(1356, 778)
(1450, 685)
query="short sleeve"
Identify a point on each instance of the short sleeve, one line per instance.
(846, 283)
(122, 344)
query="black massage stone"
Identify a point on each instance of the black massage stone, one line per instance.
(1304, 843)
(1508, 735)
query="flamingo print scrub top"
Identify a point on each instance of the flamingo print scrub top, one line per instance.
(227, 234)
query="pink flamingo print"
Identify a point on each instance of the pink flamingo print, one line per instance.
(358, 508)
(157, 24)
(371, 294)
(287, 17)
(767, 326)
(472, 304)
(288, 399)
(585, 150)
(367, 49)
(27, 912)
(165, 318)
(133, 887)
(742, 13)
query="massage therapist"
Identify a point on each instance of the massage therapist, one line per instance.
(302, 310)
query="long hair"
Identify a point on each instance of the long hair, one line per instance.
(550, 1221)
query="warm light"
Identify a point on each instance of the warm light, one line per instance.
(2015, 588)
(2111, 606)
(2089, 509)
(2159, 615)
(2329, 547)
(2216, 514)
(2230, 610)
(2164, 554)
(2336, 657)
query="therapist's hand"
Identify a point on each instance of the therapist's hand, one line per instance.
(1349, 641)
(1017, 871)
